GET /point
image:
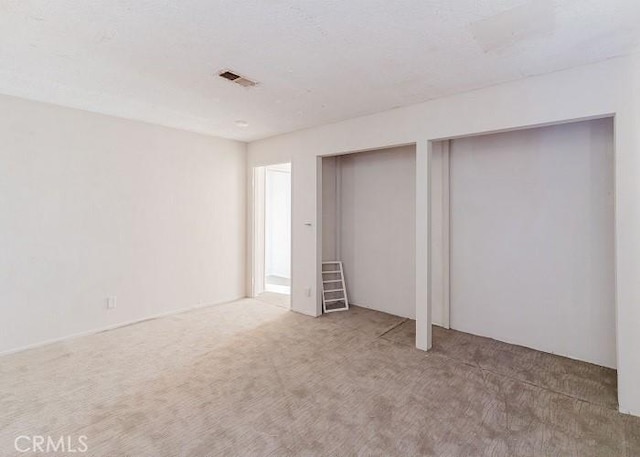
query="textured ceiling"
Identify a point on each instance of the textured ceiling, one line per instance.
(316, 61)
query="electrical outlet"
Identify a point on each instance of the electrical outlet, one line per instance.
(111, 302)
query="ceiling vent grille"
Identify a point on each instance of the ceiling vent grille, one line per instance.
(236, 78)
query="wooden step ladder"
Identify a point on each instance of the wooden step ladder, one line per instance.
(334, 290)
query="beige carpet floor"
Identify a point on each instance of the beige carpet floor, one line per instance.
(252, 379)
(273, 298)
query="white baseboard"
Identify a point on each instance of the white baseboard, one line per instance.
(112, 327)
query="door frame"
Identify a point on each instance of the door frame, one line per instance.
(257, 217)
(258, 184)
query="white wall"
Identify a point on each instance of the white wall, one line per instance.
(93, 206)
(439, 237)
(532, 239)
(610, 87)
(330, 208)
(278, 221)
(375, 228)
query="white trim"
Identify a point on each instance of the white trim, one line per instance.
(258, 232)
(423, 241)
(338, 209)
(446, 232)
(319, 294)
(291, 269)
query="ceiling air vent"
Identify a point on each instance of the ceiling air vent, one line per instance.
(235, 78)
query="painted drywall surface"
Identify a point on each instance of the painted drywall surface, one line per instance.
(278, 222)
(439, 242)
(154, 61)
(595, 90)
(627, 136)
(424, 333)
(330, 207)
(376, 228)
(545, 99)
(532, 239)
(93, 207)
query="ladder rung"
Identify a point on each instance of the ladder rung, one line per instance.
(334, 286)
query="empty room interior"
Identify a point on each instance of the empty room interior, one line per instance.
(287, 228)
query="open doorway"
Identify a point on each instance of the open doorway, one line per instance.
(272, 233)
(277, 230)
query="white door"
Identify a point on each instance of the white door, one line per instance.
(532, 238)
